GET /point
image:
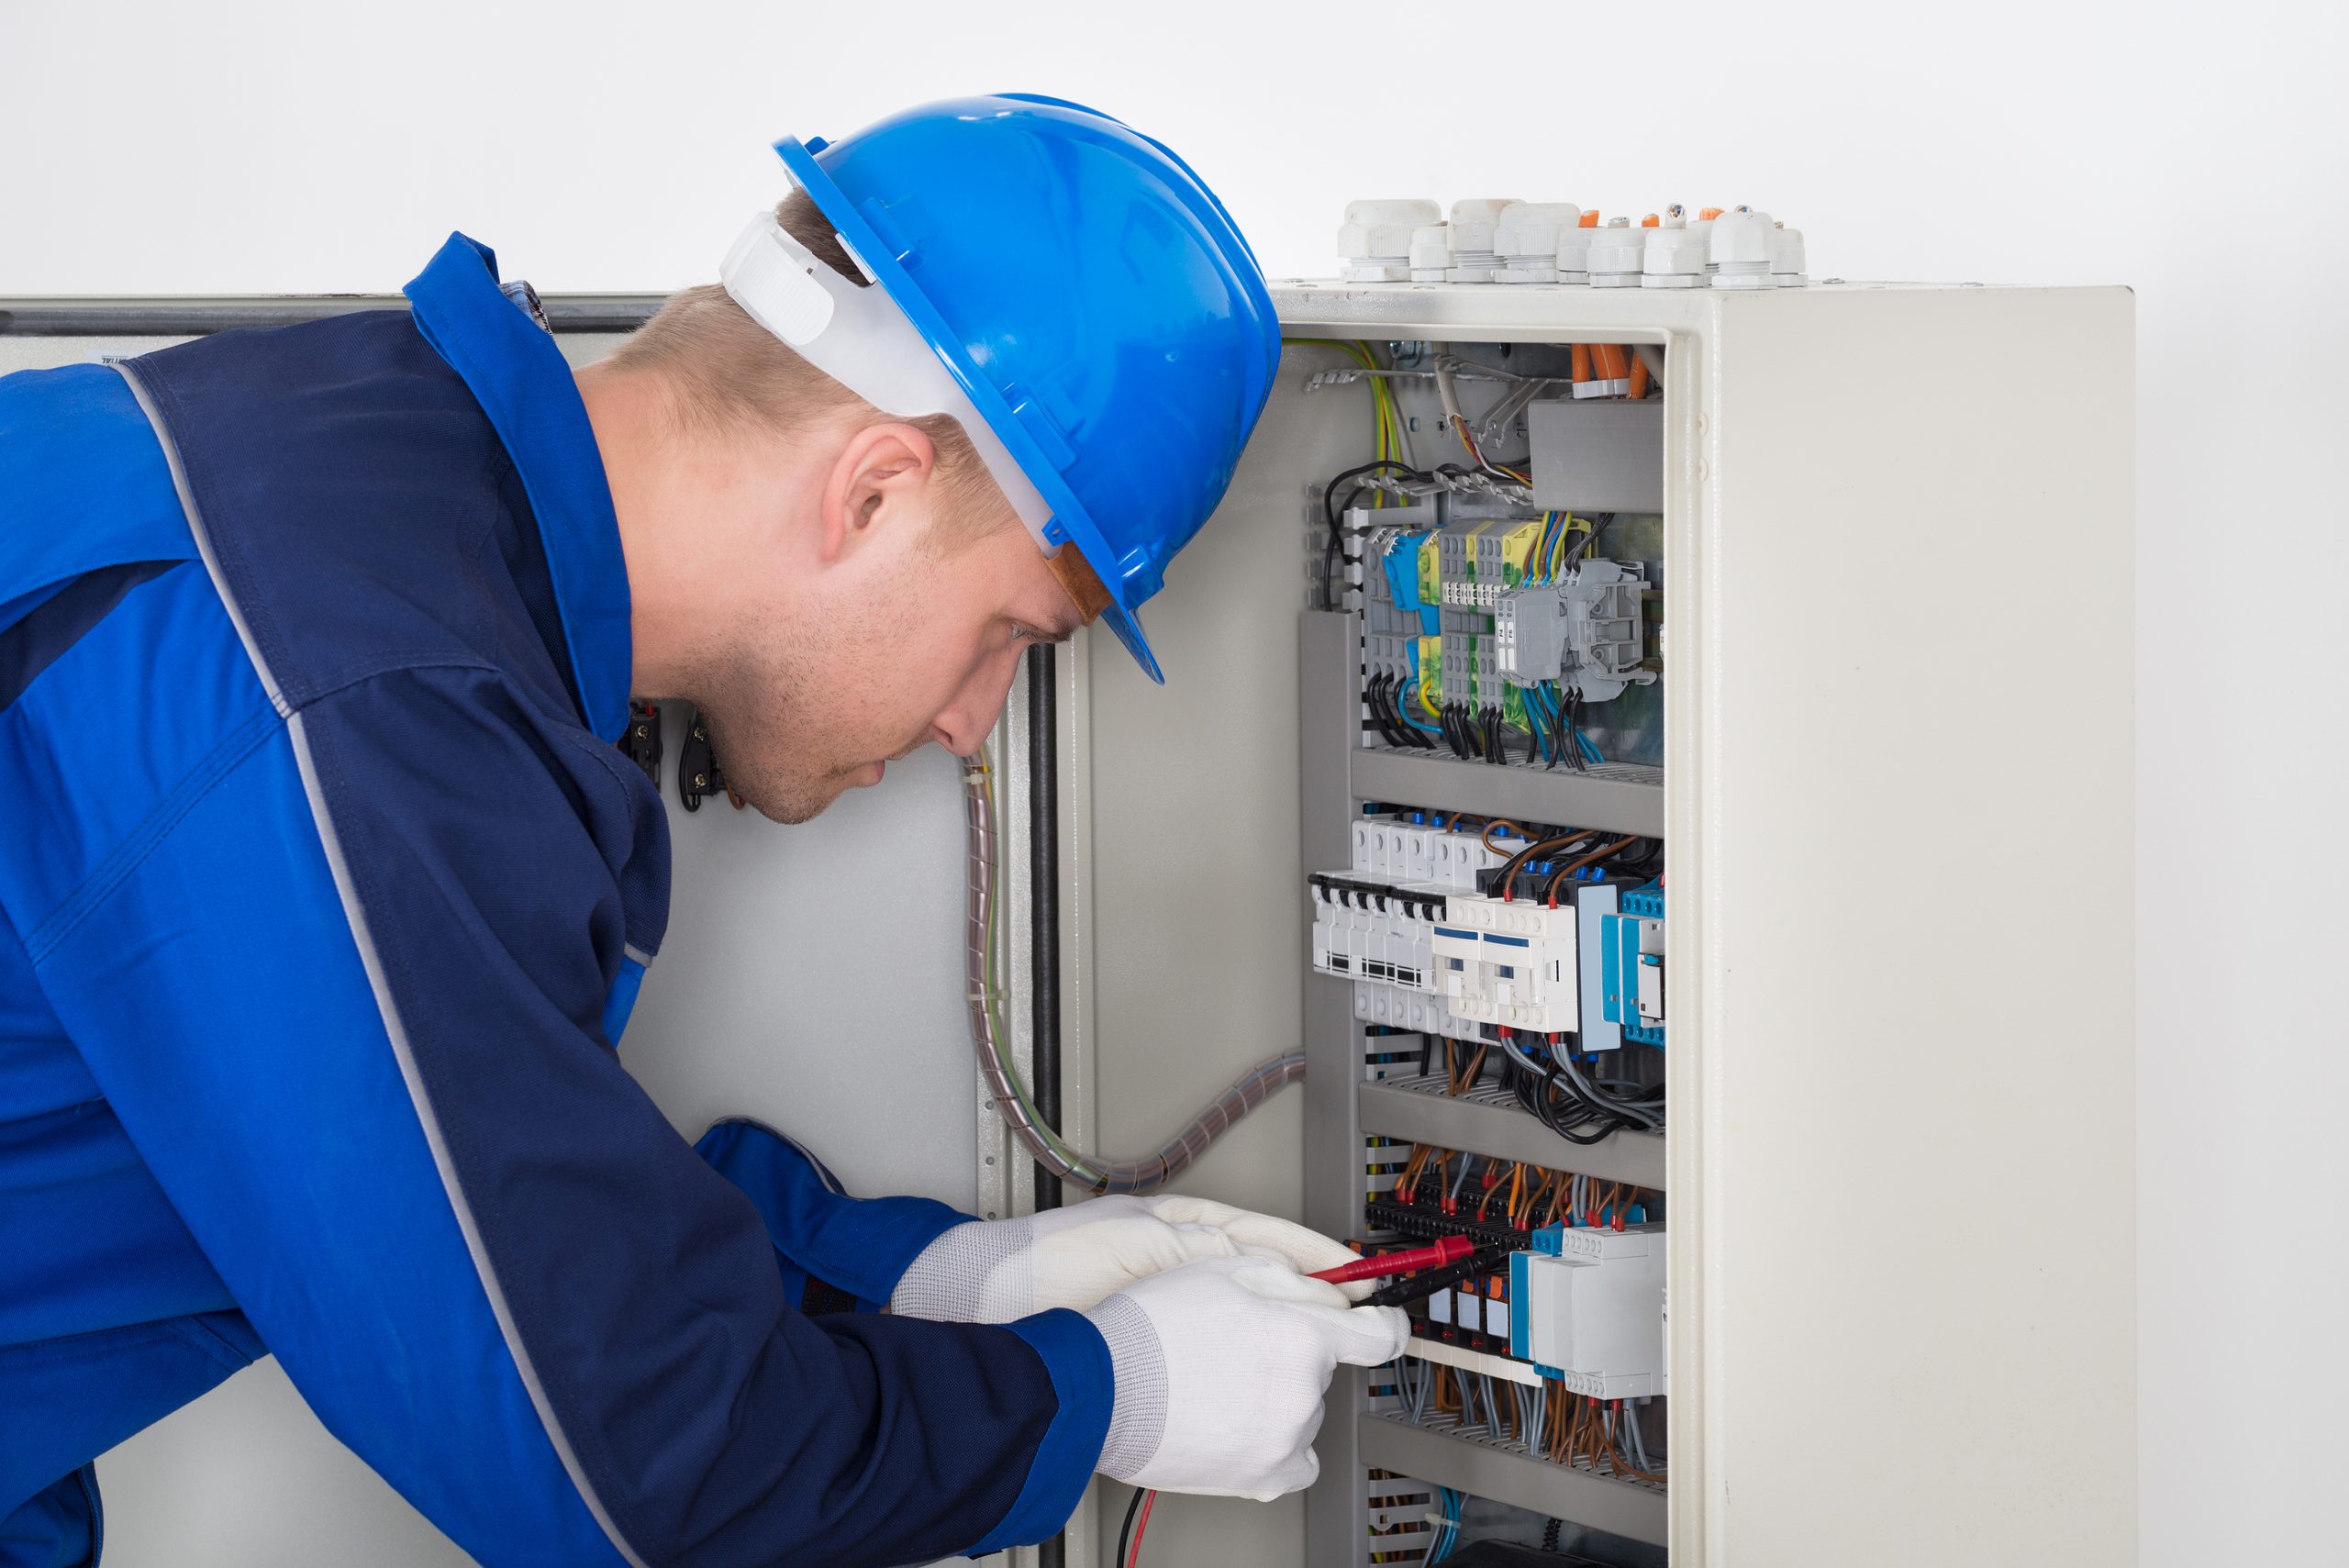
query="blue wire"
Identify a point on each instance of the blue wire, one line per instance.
(1448, 1531)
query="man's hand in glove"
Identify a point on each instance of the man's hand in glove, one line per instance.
(994, 1270)
(1221, 1366)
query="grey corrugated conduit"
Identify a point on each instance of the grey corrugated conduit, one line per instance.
(985, 1000)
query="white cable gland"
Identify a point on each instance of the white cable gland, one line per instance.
(1374, 242)
(1617, 252)
(1430, 253)
(1474, 220)
(1740, 250)
(1675, 254)
(1574, 253)
(1789, 266)
(1526, 240)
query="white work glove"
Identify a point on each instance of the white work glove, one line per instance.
(994, 1270)
(1221, 1368)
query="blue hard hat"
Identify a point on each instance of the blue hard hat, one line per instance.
(1091, 296)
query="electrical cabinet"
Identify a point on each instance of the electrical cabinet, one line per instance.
(1875, 1075)
(1886, 1007)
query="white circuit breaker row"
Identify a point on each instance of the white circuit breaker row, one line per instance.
(1494, 240)
(1431, 955)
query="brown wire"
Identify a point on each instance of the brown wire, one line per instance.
(1558, 878)
(1476, 1064)
(1540, 846)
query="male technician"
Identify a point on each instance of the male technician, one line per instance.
(327, 893)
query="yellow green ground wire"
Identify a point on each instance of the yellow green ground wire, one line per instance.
(1385, 414)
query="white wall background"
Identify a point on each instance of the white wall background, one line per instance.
(2197, 152)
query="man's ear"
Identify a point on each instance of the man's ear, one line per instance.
(870, 487)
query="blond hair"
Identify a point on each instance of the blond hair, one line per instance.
(726, 374)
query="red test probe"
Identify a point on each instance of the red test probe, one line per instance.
(1444, 1254)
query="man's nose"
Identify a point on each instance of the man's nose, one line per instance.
(962, 724)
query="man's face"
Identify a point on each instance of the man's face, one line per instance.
(900, 628)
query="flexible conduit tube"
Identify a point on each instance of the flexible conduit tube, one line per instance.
(1034, 1133)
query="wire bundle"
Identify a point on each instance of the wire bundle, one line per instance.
(1580, 1107)
(1603, 1437)
(1554, 715)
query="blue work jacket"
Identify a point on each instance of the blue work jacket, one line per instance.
(324, 894)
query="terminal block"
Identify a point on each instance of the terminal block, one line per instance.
(1587, 1307)
(1586, 633)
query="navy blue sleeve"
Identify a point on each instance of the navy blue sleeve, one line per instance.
(828, 1243)
(361, 1042)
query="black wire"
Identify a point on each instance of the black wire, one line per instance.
(1575, 1108)
(1590, 539)
(1131, 1508)
(1332, 595)
(1571, 1120)
(1373, 694)
(1390, 714)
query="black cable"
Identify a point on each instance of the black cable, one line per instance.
(1126, 1533)
(1572, 1106)
(1590, 539)
(1043, 901)
(1541, 1096)
(1372, 697)
(1333, 595)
